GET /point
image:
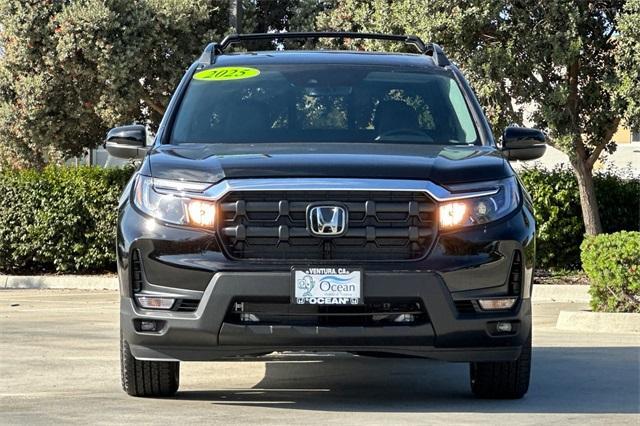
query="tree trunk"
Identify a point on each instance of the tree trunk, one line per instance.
(588, 202)
(235, 15)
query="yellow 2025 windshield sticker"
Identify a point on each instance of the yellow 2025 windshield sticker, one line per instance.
(226, 73)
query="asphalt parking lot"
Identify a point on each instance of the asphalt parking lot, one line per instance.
(59, 364)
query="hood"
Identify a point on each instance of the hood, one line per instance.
(215, 162)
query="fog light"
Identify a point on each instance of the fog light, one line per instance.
(504, 327)
(147, 326)
(249, 318)
(152, 302)
(497, 304)
(404, 318)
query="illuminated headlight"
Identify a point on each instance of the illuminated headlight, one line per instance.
(482, 209)
(174, 201)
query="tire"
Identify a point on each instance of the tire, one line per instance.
(502, 380)
(147, 378)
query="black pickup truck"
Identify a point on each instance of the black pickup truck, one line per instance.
(318, 200)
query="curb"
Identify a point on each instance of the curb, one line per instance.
(70, 282)
(561, 293)
(598, 322)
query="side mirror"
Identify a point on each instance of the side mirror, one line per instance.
(127, 142)
(522, 143)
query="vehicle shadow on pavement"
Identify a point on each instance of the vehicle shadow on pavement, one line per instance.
(564, 380)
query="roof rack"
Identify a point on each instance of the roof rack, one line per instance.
(430, 49)
(435, 51)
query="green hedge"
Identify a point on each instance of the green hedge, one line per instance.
(559, 217)
(61, 219)
(612, 263)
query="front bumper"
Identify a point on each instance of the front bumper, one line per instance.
(205, 335)
(463, 265)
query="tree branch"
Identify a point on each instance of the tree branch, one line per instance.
(572, 102)
(156, 107)
(573, 72)
(626, 296)
(593, 157)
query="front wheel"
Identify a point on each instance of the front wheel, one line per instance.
(503, 380)
(147, 378)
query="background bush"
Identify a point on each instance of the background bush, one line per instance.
(612, 263)
(61, 219)
(557, 209)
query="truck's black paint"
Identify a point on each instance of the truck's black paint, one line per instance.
(440, 164)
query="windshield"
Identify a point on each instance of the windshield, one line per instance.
(322, 103)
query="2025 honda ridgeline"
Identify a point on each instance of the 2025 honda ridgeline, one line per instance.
(319, 200)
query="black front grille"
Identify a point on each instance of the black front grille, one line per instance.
(273, 225)
(280, 311)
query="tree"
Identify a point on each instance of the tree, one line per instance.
(73, 69)
(627, 97)
(26, 91)
(236, 15)
(575, 62)
(286, 15)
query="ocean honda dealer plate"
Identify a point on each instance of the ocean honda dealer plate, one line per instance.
(326, 286)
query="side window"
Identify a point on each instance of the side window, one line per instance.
(462, 112)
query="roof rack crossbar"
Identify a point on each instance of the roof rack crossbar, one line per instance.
(431, 49)
(237, 38)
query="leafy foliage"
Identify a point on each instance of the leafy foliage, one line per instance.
(628, 65)
(71, 70)
(558, 214)
(27, 94)
(60, 219)
(284, 15)
(612, 262)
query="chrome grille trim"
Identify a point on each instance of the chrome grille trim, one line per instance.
(437, 192)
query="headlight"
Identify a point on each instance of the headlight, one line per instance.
(479, 210)
(174, 201)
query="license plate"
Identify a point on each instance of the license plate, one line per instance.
(326, 286)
